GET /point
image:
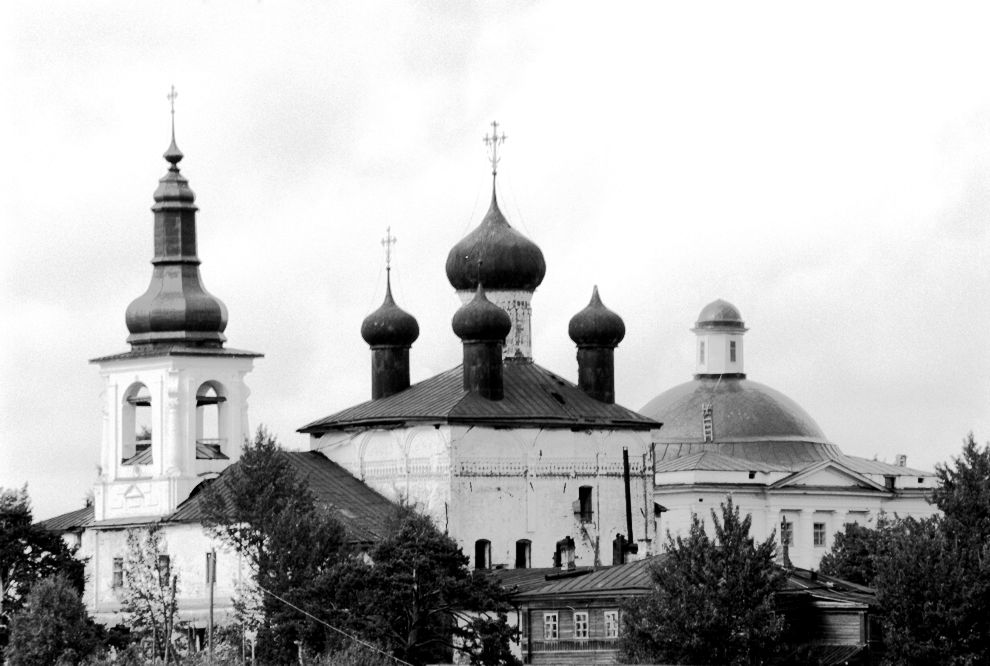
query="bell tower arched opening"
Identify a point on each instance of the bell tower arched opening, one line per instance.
(211, 435)
(136, 425)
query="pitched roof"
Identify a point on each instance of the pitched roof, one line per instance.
(204, 451)
(867, 466)
(67, 522)
(363, 512)
(533, 396)
(712, 461)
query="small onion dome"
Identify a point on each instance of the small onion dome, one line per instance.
(596, 325)
(389, 325)
(508, 259)
(719, 315)
(480, 319)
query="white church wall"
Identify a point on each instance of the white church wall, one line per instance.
(187, 545)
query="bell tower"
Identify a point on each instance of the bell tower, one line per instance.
(175, 404)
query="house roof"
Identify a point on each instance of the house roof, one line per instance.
(533, 396)
(363, 512)
(635, 578)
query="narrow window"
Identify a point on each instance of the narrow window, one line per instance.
(701, 352)
(550, 626)
(482, 554)
(584, 501)
(732, 351)
(580, 624)
(118, 572)
(523, 547)
(164, 566)
(611, 624)
(889, 481)
(819, 534)
(786, 532)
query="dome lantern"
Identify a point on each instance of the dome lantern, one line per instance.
(719, 329)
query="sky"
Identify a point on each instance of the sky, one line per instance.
(823, 166)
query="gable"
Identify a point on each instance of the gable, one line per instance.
(828, 474)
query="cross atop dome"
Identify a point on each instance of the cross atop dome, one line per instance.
(387, 243)
(493, 141)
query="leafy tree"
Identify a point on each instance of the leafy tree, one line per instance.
(149, 589)
(261, 509)
(28, 554)
(415, 595)
(856, 550)
(712, 600)
(963, 493)
(52, 627)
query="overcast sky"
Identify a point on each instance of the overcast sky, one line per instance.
(825, 168)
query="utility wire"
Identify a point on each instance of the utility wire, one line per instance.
(330, 626)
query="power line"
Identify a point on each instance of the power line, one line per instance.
(330, 626)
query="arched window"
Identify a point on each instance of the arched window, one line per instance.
(135, 426)
(210, 439)
(482, 554)
(523, 548)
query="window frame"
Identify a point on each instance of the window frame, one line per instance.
(611, 623)
(586, 503)
(582, 626)
(117, 573)
(551, 620)
(818, 534)
(482, 551)
(732, 351)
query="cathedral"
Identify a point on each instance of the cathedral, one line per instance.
(524, 468)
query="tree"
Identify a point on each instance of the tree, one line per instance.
(262, 510)
(28, 553)
(149, 589)
(52, 627)
(415, 595)
(712, 600)
(857, 549)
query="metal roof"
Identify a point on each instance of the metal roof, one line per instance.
(363, 512)
(742, 411)
(533, 396)
(788, 456)
(178, 350)
(204, 451)
(67, 522)
(866, 466)
(713, 461)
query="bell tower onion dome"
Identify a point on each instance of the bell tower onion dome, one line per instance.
(389, 325)
(176, 309)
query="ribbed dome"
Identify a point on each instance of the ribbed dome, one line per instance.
(480, 319)
(720, 314)
(389, 325)
(596, 325)
(743, 412)
(508, 260)
(176, 308)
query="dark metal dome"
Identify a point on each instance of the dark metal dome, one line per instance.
(720, 314)
(176, 308)
(596, 325)
(742, 411)
(508, 260)
(480, 319)
(389, 325)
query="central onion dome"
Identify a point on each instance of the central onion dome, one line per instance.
(389, 325)
(480, 319)
(596, 325)
(508, 260)
(176, 308)
(722, 411)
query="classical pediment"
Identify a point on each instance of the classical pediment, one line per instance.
(828, 474)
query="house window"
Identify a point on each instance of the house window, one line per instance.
(584, 504)
(164, 566)
(580, 625)
(118, 572)
(819, 534)
(732, 351)
(787, 532)
(611, 624)
(482, 554)
(549, 626)
(523, 547)
(701, 352)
